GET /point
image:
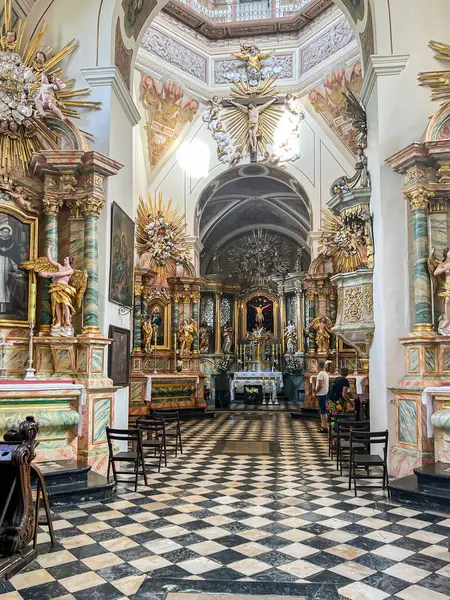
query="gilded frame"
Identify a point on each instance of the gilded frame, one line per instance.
(166, 309)
(276, 311)
(33, 251)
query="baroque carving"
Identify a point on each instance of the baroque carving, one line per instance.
(419, 198)
(173, 52)
(228, 70)
(51, 205)
(353, 305)
(337, 37)
(369, 298)
(166, 115)
(92, 206)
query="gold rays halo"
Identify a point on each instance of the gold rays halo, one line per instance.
(156, 225)
(438, 81)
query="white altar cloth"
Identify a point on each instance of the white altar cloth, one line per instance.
(37, 387)
(427, 398)
(270, 379)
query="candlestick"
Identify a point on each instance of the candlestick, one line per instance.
(32, 311)
(30, 373)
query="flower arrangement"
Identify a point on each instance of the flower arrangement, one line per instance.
(224, 365)
(251, 393)
(294, 366)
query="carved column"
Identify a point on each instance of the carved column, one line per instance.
(218, 323)
(299, 301)
(176, 319)
(195, 313)
(236, 324)
(137, 325)
(419, 202)
(52, 203)
(311, 317)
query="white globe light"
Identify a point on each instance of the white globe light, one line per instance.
(193, 158)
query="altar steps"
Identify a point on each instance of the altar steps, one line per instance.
(69, 482)
(428, 488)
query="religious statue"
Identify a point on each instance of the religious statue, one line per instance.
(227, 338)
(149, 338)
(216, 105)
(322, 325)
(442, 270)
(204, 334)
(252, 56)
(46, 99)
(259, 314)
(253, 126)
(38, 64)
(8, 42)
(20, 197)
(66, 290)
(236, 157)
(186, 332)
(290, 337)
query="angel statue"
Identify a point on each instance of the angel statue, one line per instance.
(46, 99)
(322, 325)
(149, 336)
(66, 290)
(252, 56)
(290, 337)
(204, 335)
(437, 270)
(186, 333)
(227, 338)
(255, 130)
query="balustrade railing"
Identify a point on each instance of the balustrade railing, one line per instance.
(234, 10)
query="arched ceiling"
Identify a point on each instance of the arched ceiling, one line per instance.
(248, 198)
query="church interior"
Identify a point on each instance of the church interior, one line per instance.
(224, 300)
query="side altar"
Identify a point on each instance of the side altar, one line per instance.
(52, 191)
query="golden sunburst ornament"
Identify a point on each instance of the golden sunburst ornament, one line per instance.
(438, 81)
(33, 87)
(160, 235)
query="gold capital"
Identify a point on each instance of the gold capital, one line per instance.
(51, 205)
(419, 198)
(92, 206)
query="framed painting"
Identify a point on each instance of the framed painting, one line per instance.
(119, 355)
(121, 258)
(18, 242)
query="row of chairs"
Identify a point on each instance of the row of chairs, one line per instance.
(156, 432)
(350, 442)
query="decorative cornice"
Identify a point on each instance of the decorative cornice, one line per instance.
(111, 77)
(381, 66)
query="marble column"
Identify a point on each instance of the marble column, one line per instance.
(218, 324)
(282, 319)
(311, 317)
(419, 202)
(52, 204)
(176, 320)
(91, 209)
(137, 318)
(195, 313)
(298, 297)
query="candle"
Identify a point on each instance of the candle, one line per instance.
(32, 313)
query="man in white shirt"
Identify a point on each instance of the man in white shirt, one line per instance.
(322, 387)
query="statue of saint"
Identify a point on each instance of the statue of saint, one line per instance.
(148, 336)
(227, 338)
(186, 332)
(156, 322)
(322, 325)
(259, 314)
(290, 337)
(253, 112)
(252, 55)
(443, 270)
(204, 334)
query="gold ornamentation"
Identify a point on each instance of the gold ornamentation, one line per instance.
(353, 305)
(437, 81)
(51, 205)
(66, 291)
(347, 239)
(68, 182)
(92, 206)
(415, 172)
(443, 173)
(369, 298)
(75, 208)
(438, 205)
(138, 290)
(322, 327)
(186, 333)
(160, 236)
(50, 183)
(419, 198)
(166, 115)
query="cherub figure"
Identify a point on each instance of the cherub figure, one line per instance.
(66, 290)
(236, 157)
(20, 197)
(216, 105)
(8, 42)
(47, 100)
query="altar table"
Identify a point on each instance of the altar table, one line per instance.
(271, 379)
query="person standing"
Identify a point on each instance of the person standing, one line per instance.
(340, 394)
(322, 387)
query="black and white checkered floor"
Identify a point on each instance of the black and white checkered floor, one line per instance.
(281, 524)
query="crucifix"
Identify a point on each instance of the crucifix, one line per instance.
(253, 106)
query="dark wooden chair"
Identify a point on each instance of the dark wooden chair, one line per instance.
(365, 461)
(173, 428)
(133, 438)
(343, 439)
(41, 489)
(332, 429)
(153, 434)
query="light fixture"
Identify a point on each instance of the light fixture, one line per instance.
(193, 158)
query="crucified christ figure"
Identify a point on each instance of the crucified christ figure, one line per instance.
(253, 112)
(259, 314)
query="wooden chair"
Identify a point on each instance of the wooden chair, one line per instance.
(41, 489)
(366, 461)
(343, 439)
(173, 428)
(132, 437)
(153, 434)
(332, 429)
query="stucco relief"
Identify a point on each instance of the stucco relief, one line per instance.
(136, 13)
(227, 70)
(122, 56)
(329, 101)
(337, 37)
(174, 53)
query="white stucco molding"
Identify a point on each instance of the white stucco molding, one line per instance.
(194, 242)
(111, 77)
(381, 66)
